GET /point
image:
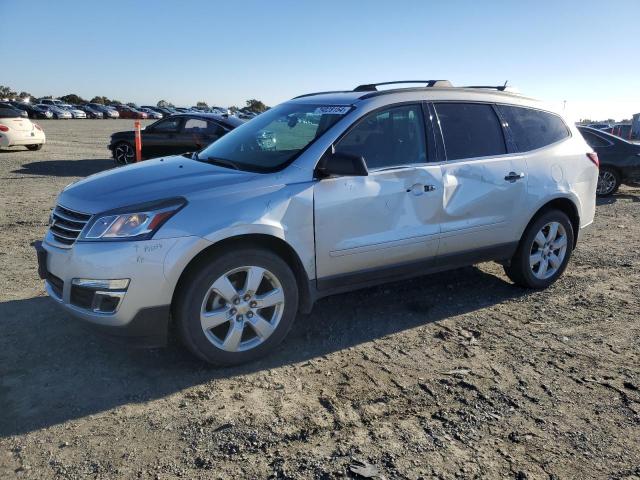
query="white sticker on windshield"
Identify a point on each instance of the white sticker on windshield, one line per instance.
(332, 110)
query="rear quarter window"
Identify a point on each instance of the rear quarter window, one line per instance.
(532, 129)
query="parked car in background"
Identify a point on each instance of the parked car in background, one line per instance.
(622, 130)
(151, 113)
(106, 111)
(598, 126)
(58, 112)
(619, 160)
(17, 130)
(128, 112)
(165, 111)
(51, 101)
(34, 111)
(173, 135)
(75, 113)
(19, 111)
(90, 112)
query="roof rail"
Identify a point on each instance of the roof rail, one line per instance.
(319, 93)
(372, 87)
(500, 88)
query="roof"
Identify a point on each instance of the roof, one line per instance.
(435, 87)
(226, 119)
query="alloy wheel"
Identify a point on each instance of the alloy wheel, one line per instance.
(242, 308)
(548, 250)
(606, 182)
(124, 153)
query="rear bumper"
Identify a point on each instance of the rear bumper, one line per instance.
(26, 139)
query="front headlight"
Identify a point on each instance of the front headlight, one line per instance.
(134, 223)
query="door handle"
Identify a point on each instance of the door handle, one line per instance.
(419, 189)
(513, 176)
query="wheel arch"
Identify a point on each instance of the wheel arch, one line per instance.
(565, 205)
(260, 240)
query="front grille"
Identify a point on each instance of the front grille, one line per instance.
(57, 285)
(67, 224)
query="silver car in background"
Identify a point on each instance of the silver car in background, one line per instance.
(322, 194)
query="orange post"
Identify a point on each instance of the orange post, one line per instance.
(138, 137)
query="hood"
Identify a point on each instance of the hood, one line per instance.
(123, 133)
(148, 181)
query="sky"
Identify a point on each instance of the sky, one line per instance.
(584, 52)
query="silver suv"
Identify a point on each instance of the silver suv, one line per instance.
(352, 189)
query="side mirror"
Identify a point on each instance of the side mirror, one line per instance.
(341, 164)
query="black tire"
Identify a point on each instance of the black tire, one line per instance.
(519, 269)
(195, 287)
(609, 186)
(124, 153)
(34, 147)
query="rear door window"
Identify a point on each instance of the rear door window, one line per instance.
(470, 130)
(532, 129)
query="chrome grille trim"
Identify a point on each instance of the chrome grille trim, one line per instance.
(66, 225)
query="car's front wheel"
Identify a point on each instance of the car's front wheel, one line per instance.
(123, 153)
(543, 252)
(608, 182)
(236, 306)
(34, 147)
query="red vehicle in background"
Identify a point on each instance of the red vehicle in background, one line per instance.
(126, 111)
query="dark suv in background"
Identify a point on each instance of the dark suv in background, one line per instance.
(172, 136)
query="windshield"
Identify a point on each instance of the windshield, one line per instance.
(274, 138)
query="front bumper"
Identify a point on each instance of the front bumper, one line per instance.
(153, 268)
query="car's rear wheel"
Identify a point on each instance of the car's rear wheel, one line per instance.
(123, 153)
(34, 147)
(608, 182)
(543, 252)
(237, 306)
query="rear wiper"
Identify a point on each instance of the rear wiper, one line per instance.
(223, 162)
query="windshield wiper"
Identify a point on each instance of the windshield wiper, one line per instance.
(222, 162)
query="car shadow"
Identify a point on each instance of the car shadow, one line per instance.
(66, 168)
(53, 370)
(615, 197)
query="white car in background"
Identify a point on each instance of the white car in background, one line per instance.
(15, 130)
(151, 113)
(75, 113)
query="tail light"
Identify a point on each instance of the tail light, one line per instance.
(37, 126)
(593, 156)
(4, 128)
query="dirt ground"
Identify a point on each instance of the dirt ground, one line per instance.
(457, 375)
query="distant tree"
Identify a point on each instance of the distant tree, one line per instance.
(73, 99)
(132, 105)
(233, 109)
(202, 104)
(100, 100)
(164, 104)
(6, 92)
(24, 95)
(114, 102)
(256, 106)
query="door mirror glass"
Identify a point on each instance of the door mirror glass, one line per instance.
(341, 164)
